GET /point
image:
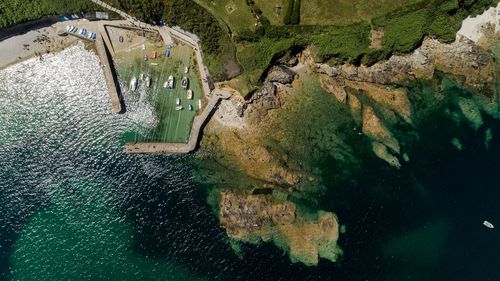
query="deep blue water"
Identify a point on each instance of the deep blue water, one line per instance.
(74, 207)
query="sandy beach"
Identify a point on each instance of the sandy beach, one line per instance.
(39, 42)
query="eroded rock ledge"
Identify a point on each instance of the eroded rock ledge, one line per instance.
(251, 218)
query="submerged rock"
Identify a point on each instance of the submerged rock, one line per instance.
(254, 218)
(471, 112)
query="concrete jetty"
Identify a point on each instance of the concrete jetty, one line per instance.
(213, 97)
(109, 73)
(175, 148)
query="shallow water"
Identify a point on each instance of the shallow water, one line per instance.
(74, 207)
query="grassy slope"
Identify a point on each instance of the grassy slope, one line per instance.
(268, 10)
(239, 19)
(344, 12)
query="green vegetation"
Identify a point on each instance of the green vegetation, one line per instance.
(346, 12)
(235, 13)
(18, 11)
(274, 11)
(260, 31)
(292, 15)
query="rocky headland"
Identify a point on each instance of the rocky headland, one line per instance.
(268, 139)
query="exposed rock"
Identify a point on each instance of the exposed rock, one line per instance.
(381, 151)
(332, 86)
(280, 74)
(251, 218)
(376, 130)
(461, 58)
(394, 99)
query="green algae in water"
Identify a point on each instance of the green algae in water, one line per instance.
(80, 237)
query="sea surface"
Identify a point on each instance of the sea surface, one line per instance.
(73, 206)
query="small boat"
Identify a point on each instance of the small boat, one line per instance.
(141, 77)
(179, 107)
(199, 104)
(148, 81)
(177, 101)
(145, 57)
(133, 84)
(186, 69)
(185, 82)
(165, 84)
(167, 53)
(170, 82)
(189, 94)
(154, 54)
(488, 224)
(154, 64)
(190, 107)
(143, 47)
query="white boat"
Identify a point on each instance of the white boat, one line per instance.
(179, 107)
(148, 81)
(133, 84)
(488, 224)
(141, 76)
(190, 107)
(186, 69)
(154, 64)
(143, 47)
(199, 104)
(170, 82)
(185, 82)
(177, 101)
(189, 94)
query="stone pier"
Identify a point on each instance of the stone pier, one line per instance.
(109, 74)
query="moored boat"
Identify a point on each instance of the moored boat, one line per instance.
(189, 94)
(177, 101)
(185, 82)
(179, 107)
(133, 84)
(170, 82)
(147, 81)
(190, 107)
(488, 224)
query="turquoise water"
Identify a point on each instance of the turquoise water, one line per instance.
(74, 207)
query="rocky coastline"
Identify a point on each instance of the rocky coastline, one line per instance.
(373, 97)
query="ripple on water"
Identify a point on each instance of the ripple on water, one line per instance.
(66, 188)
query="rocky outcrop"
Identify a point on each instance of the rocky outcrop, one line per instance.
(461, 58)
(381, 137)
(280, 74)
(267, 97)
(250, 218)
